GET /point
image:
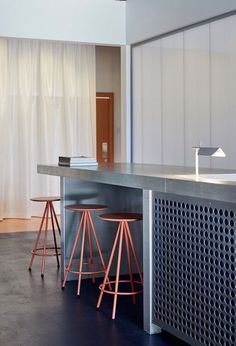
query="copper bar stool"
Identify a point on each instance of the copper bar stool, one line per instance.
(87, 229)
(42, 251)
(123, 234)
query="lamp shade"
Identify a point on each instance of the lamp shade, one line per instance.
(210, 151)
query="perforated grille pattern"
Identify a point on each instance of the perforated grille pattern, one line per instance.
(194, 245)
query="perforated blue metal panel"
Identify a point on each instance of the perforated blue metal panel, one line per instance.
(194, 286)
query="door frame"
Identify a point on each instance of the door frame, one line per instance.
(108, 95)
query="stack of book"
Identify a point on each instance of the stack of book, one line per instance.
(77, 161)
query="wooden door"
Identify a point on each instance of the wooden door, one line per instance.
(105, 124)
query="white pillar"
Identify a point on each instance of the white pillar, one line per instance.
(125, 103)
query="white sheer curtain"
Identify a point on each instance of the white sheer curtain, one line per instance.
(47, 109)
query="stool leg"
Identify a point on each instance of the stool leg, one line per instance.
(108, 267)
(45, 242)
(118, 271)
(134, 253)
(55, 218)
(91, 262)
(129, 264)
(73, 250)
(82, 254)
(98, 246)
(37, 239)
(54, 235)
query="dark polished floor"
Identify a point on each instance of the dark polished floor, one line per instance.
(36, 312)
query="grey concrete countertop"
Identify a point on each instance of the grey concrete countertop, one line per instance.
(216, 184)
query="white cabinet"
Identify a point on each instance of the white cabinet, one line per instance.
(151, 106)
(184, 94)
(173, 99)
(197, 92)
(223, 89)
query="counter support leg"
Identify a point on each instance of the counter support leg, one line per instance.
(149, 327)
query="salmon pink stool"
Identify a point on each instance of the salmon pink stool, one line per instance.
(87, 231)
(122, 235)
(46, 250)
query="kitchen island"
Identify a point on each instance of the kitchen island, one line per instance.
(187, 241)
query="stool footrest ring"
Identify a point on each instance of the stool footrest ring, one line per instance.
(39, 251)
(119, 292)
(84, 272)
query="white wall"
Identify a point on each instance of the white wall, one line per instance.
(87, 21)
(149, 18)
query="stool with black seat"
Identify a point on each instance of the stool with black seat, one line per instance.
(87, 231)
(46, 250)
(123, 234)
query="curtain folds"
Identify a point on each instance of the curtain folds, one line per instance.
(47, 109)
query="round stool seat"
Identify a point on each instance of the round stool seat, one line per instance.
(45, 199)
(85, 207)
(129, 217)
